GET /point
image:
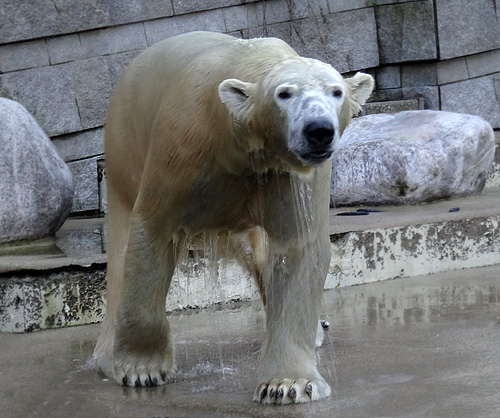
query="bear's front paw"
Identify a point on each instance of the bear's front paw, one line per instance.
(287, 391)
(143, 370)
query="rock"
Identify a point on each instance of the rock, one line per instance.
(36, 190)
(411, 157)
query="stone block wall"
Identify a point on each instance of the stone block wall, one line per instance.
(61, 59)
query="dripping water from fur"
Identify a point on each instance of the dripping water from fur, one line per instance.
(206, 272)
(210, 256)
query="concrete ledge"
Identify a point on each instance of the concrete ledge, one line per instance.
(36, 300)
(406, 241)
(382, 254)
(62, 282)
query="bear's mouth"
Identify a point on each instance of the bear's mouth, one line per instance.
(316, 157)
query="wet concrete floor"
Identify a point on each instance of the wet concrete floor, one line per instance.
(419, 347)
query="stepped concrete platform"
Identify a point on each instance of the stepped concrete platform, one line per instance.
(405, 241)
(424, 346)
(61, 282)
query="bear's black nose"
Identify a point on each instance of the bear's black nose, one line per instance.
(319, 133)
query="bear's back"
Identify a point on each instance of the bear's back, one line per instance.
(199, 61)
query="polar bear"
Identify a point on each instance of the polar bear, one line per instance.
(207, 133)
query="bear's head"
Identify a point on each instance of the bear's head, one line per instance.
(299, 108)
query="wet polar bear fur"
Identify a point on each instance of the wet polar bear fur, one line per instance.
(206, 133)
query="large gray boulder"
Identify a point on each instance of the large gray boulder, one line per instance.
(411, 157)
(36, 186)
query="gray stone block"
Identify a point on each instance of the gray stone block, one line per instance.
(388, 77)
(138, 10)
(64, 48)
(336, 6)
(36, 190)
(48, 94)
(239, 17)
(267, 13)
(411, 157)
(395, 106)
(375, 3)
(302, 9)
(239, 34)
(430, 95)
(406, 32)
(117, 63)
(451, 71)
(113, 40)
(23, 20)
(496, 84)
(419, 75)
(466, 27)
(483, 64)
(346, 40)
(275, 11)
(80, 145)
(80, 15)
(93, 86)
(193, 6)
(157, 30)
(86, 184)
(103, 186)
(476, 97)
(387, 94)
(24, 55)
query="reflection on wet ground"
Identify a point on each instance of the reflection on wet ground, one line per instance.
(420, 347)
(428, 305)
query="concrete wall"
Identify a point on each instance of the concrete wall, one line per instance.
(61, 58)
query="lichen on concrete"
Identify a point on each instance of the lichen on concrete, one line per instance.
(34, 300)
(406, 251)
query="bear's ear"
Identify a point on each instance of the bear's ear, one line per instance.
(235, 94)
(361, 86)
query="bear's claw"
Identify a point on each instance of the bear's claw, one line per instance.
(142, 371)
(309, 389)
(143, 379)
(287, 391)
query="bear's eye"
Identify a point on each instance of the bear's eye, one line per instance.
(284, 95)
(337, 93)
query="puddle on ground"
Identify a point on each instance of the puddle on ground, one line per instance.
(403, 302)
(391, 346)
(215, 347)
(385, 379)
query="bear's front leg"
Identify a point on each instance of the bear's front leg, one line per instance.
(295, 218)
(135, 346)
(294, 285)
